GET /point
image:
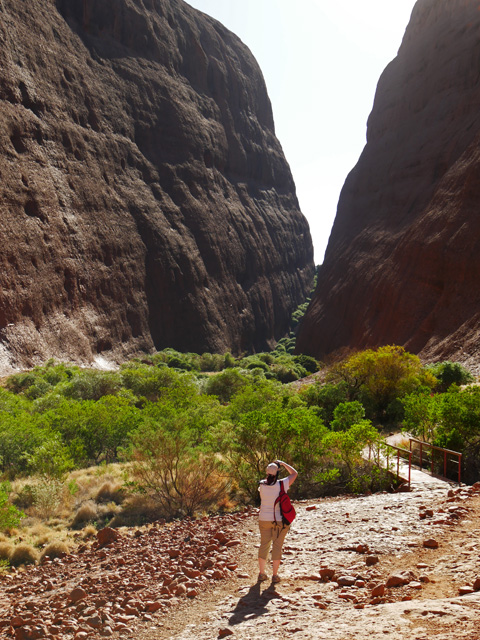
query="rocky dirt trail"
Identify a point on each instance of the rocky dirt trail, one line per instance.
(403, 565)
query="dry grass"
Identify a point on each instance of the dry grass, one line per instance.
(87, 512)
(6, 550)
(89, 532)
(56, 549)
(136, 511)
(110, 492)
(23, 553)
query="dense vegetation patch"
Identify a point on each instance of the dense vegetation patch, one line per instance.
(189, 433)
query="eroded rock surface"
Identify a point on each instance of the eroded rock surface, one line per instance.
(145, 200)
(402, 262)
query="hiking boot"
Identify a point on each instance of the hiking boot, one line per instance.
(276, 578)
(262, 577)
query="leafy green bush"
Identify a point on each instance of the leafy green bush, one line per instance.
(376, 378)
(224, 385)
(326, 397)
(92, 385)
(10, 516)
(450, 420)
(448, 373)
(346, 414)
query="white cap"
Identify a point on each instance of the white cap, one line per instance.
(272, 469)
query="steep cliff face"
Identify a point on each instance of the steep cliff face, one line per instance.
(145, 200)
(403, 260)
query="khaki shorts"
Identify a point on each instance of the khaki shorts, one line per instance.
(272, 532)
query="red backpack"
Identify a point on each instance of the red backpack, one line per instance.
(286, 508)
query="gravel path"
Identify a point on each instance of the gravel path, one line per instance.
(197, 579)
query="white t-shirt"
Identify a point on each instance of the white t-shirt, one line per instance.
(268, 494)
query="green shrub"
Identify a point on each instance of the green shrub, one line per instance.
(226, 384)
(10, 516)
(346, 414)
(376, 378)
(180, 477)
(448, 373)
(92, 385)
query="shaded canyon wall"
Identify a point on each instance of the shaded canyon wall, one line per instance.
(403, 261)
(145, 201)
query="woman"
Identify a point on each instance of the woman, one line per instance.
(272, 529)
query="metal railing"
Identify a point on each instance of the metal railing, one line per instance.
(386, 456)
(431, 449)
(381, 453)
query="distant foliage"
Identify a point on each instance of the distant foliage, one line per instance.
(197, 430)
(448, 373)
(378, 378)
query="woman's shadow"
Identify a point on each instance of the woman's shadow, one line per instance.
(253, 604)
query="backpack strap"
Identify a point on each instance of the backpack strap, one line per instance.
(282, 491)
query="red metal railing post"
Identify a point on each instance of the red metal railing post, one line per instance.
(444, 464)
(421, 465)
(459, 469)
(409, 468)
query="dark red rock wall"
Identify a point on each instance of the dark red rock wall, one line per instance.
(403, 261)
(145, 200)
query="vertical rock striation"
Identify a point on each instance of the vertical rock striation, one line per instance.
(403, 261)
(145, 200)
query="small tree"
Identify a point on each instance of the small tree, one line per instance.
(181, 477)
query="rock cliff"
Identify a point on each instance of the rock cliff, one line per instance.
(403, 261)
(145, 200)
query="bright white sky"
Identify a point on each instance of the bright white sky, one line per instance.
(321, 60)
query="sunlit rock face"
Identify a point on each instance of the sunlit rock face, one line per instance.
(145, 200)
(403, 260)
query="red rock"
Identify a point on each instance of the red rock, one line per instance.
(17, 621)
(371, 560)
(181, 590)
(191, 573)
(311, 507)
(396, 580)
(430, 544)
(223, 633)
(463, 591)
(327, 574)
(378, 591)
(200, 193)
(345, 581)
(107, 535)
(212, 547)
(217, 575)
(77, 594)
(173, 553)
(193, 593)
(94, 621)
(153, 606)
(476, 585)
(221, 537)
(233, 543)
